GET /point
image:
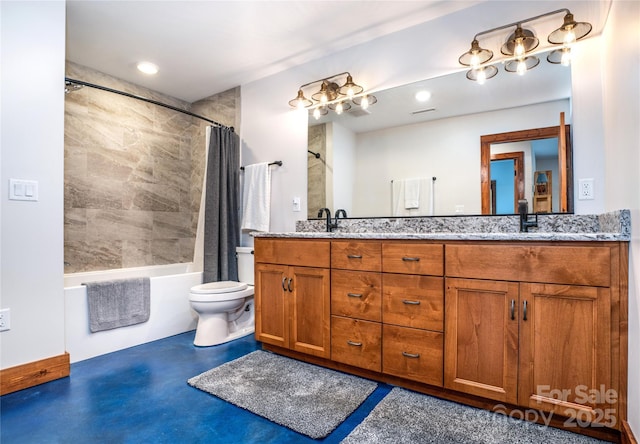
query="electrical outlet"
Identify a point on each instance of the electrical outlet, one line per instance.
(585, 189)
(5, 319)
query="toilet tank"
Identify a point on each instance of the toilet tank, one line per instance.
(245, 264)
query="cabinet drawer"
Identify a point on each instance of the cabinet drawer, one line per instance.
(413, 301)
(356, 342)
(364, 256)
(356, 294)
(302, 252)
(413, 258)
(413, 354)
(575, 265)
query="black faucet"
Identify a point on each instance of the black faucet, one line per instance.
(339, 212)
(327, 212)
(525, 223)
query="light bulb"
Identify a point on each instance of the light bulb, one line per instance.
(522, 67)
(364, 104)
(339, 108)
(324, 98)
(316, 113)
(475, 60)
(569, 37)
(565, 60)
(300, 104)
(350, 93)
(519, 48)
(481, 77)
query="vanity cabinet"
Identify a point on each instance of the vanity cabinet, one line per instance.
(292, 282)
(533, 326)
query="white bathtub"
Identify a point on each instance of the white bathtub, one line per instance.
(171, 313)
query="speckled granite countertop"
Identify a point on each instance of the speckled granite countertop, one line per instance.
(613, 226)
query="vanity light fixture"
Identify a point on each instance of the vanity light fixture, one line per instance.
(332, 96)
(519, 47)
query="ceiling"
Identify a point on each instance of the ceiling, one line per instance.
(206, 47)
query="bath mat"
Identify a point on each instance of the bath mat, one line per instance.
(409, 417)
(308, 399)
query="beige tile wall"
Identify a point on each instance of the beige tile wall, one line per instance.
(316, 170)
(133, 173)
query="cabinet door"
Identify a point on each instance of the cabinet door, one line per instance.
(481, 338)
(272, 312)
(310, 311)
(565, 352)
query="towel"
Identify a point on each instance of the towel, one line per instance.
(256, 197)
(403, 193)
(118, 303)
(412, 193)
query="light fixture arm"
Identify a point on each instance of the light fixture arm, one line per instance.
(520, 22)
(325, 79)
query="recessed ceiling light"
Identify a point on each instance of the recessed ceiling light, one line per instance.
(148, 68)
(423, 96)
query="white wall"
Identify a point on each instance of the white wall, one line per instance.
(32, 121)
(439, 149)
(621, 100)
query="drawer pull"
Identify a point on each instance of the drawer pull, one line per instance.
(289, 285)
(355, 344)
(411, 259)
(410, 355)
(407, 302)
(284, 281)
(354, 295)
(524, 308)
(513, 310)
(354, 256)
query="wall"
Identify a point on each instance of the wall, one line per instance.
(621, 109)
(32, 143)
(317, 170)
(133, 174)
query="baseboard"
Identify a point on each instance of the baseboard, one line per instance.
(34, 373)
(627, 435)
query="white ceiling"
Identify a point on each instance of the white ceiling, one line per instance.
(206, 47)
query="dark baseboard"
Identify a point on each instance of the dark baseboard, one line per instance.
(34, 373)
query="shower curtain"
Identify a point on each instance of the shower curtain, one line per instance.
(221, 218)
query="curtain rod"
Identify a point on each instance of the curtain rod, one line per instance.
(71, 82)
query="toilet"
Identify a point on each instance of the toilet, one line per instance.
(225, 309)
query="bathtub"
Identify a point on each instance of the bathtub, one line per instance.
(171, 313)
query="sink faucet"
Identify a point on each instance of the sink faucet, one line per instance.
(327, 212)
(525, 223)
(339, 212)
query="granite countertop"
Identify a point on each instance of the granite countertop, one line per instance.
(613, 226)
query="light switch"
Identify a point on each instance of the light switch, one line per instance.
(20, 189)
(296, 204)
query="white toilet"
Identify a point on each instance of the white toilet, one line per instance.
(225, 309)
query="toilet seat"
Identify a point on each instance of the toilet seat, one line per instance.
(220, 291)
(219, 287)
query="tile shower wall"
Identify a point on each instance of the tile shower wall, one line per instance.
(133, 173)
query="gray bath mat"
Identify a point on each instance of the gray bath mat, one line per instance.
(409, 417)
(306, 398)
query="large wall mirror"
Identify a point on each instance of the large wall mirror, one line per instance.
(365, 158)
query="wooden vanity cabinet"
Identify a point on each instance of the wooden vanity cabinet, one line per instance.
(541, 332)
(292, 282)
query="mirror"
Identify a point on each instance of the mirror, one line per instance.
(363, 153)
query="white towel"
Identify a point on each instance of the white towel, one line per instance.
(412, 193)
(398, 202)
(256, 197)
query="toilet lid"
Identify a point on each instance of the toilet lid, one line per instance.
(219, 287)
